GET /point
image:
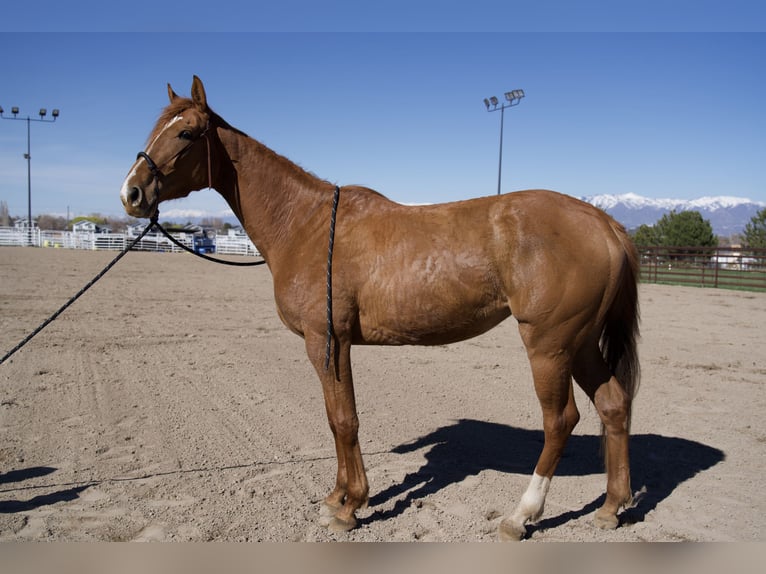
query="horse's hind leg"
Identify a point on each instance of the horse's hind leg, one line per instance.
(613, 406)
(553, 385)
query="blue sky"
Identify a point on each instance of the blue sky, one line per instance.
(668, 114)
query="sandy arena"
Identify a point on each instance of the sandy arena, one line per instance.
(170, 403)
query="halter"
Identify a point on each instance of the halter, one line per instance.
(157, 172)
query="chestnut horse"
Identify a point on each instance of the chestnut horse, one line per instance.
(422, 275)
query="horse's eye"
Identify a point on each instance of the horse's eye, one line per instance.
(185, 135)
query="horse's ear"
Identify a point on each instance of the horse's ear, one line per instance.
(171, 94)
(198, 94)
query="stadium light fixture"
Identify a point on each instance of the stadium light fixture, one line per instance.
(28, 156)
(513, 98)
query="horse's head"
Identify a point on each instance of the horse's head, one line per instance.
(176, 160)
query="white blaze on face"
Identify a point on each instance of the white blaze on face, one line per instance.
(168, 125)
(125, 187)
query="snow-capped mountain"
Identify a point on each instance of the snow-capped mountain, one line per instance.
(727, 215)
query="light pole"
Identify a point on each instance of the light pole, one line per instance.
(28, 156)
(513, 98)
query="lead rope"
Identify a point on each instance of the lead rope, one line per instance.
(177, 243)
(152, 224)
(156, 173)
(328, 346)
(50, 319)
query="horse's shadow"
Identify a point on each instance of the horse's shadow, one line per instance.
(658, 464)
(11, 506)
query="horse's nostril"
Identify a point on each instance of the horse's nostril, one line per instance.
(135, 195)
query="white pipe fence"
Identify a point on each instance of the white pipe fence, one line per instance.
(224, 244)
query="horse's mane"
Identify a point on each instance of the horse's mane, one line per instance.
(180, 104)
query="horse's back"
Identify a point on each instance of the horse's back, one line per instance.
(444, 272)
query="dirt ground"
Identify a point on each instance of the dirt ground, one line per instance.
(169, 403)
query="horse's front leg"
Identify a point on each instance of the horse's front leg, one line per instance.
(351, 490)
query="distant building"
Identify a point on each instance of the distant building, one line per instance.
(23, 223)
(85, 226)
(136, 229)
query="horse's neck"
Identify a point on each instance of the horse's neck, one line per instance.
(274, 199)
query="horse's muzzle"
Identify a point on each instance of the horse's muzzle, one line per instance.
(136, 201)
(134, 197)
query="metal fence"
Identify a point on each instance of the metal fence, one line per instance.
(224, 244)
(724, 267)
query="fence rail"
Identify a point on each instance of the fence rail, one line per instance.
(224, 244)
(724, 267)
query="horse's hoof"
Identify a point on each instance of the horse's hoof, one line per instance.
(606, 521)
(510, 531)
(340, 525)
(327, 509)
(327, 512)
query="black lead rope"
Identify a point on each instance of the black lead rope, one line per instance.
(152, 224)
(78, 294)
(203, 256)
(328, 346)
(156, 174)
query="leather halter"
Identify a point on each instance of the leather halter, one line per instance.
(157, 172)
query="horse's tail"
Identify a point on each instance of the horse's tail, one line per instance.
(619, 337)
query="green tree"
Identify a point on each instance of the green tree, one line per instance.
(645, 236)
(683, 232)
(685, 229)
(755, 230)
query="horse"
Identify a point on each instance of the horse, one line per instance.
(421, 275)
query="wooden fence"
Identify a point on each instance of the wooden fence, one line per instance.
(724, 267)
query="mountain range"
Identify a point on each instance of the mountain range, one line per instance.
(727, 215)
